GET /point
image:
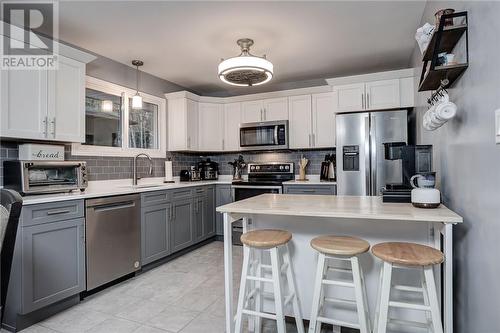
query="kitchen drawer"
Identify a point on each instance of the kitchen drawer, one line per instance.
(155, 198)
(202, 190)
(52, 212)
(182, 193)
(311, 189)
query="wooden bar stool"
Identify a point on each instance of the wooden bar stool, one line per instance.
(408, 255)
(276, 241)
(334, 249)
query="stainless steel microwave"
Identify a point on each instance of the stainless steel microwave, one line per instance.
(36, 177)
(265, 135)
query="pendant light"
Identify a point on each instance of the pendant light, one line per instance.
(107, 105)
(137, 99)
(246, 69)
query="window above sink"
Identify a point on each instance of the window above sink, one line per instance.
(114, 128)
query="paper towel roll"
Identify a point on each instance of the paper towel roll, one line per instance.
(168, 171)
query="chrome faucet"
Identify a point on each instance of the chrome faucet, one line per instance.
(134, 171)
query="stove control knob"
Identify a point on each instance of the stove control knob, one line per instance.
(252, 167)
(281, 167)
(287, 167)
(257, 167)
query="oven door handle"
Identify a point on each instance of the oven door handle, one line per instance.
(257, 187)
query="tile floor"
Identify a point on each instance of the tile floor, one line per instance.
(185, 295)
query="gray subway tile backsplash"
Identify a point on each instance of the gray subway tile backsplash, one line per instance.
(105, 168)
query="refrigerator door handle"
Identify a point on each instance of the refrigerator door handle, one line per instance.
(373, 155)
(367, 155)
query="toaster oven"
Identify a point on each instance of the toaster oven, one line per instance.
(37, 177)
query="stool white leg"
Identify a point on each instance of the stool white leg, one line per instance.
(293, 290)
(377, 303)
(364, 322)
(278, 294)
(384, 298)
(258, 296)
(428, 315)
(433, 300)
(242, 294)
(320, 270)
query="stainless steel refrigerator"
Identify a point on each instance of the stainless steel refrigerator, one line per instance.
(361, 165)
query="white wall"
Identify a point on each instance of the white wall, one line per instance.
(468, 165)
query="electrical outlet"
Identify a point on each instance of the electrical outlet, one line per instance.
(497, 126)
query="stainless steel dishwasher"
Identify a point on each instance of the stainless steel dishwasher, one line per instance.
(113, 238)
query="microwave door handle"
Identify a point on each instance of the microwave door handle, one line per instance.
(276, 135)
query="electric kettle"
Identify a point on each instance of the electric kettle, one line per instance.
(424, 195)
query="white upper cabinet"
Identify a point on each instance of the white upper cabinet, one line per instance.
(232, 120)
(67, 101)
(374, 95)
(300, 121)
(350, 97)
(312, 121)
(24, 104)
(177, 124)
(192, 125)
(46, 104)
(182, 124)
(323, 115)
(275, 109)
(252, 111)
(265, 110)
(211, 127)
(382, 95)
(407, 92)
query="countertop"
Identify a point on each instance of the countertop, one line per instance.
(351, 207)
(105, 188)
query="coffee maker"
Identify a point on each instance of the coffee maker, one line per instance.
(415, 159)
(209, 169)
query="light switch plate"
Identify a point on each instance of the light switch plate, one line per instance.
(497, 126)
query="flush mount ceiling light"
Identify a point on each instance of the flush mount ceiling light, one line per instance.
(137, 99)
(246, 69)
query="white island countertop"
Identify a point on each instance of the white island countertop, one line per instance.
(351, 207)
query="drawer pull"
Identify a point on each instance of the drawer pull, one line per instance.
(57, 212)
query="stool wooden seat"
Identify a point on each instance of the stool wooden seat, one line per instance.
(340, 245)
(420, 259)
(265, 238)
(339, 255)
(408, 254)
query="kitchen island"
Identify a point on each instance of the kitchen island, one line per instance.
(307, 216)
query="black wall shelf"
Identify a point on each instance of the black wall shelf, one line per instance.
(444, 39)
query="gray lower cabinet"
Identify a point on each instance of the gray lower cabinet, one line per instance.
(155, 232)
(48, 264)
(182, 225)
(330, 189)
(204, 214)
(53, 262)
(223, 196)
(200, 207)
(210, 212)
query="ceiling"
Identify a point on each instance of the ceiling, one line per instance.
(184, 41)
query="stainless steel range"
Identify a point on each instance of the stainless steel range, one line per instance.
(262, 178)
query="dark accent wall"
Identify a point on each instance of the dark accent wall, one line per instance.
(467, 162)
